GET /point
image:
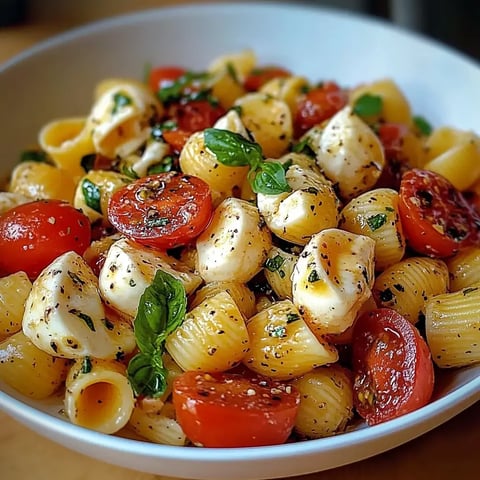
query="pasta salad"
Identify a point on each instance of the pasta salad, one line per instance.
(240, 250)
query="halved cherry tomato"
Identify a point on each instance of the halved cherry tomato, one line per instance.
(318, 105)
(260, 76)
(195, 115)
(230, 410)
(163, 211)
(32, 235)
(161, 77)
(392, 365)
(436, 218)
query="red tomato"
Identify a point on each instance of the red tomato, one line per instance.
(392, 366)
(32, 235)
(176, 139)
(318, 105)
(436, 218)
(229, 410)
(260, 76)
(195, 115)
(392, 135)
(164, 76)
(163, 211)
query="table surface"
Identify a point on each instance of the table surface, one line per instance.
(450, 450)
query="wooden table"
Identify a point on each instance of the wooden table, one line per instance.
(449, 451)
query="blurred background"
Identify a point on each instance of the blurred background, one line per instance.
(452, 22)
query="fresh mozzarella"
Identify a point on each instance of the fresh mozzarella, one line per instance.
(332, 279)
(64, 315)
(235, 244)
(130, 268)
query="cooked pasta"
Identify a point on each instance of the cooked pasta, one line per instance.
(14, 290)
(98, 395)
(278, 271)
(452, 324)
(326, 402)
(406, 285)
(282, 346)
(213, 337)
(375, 214)
(464, 268)
(30, 370)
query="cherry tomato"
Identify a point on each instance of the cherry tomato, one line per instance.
(392, 365)
(195, 115)
(163, 211)
(436, 218)
(229, 410)
(392, 136)
(318, 105)
(161, 77)
(260, 76)
(32, 235)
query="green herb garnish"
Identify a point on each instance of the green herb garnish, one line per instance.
(368, 105)
(273, 264)
(86, 318)
(92, 195)
(304, 147)
(422, 125)
(86, 365)
(38, 156)
(165, 165)
(175, 91)
(120, 100)
(234, 150)
(313, 276)
(161, 310)
(376, 221)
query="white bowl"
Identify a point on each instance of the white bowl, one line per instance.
(56, 78)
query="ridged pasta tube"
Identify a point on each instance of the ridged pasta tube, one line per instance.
(452, 325)
(235, 244)
(29, 370)
(464, 268)
(332, 279)
(406, 285)
(98, 395)
(282, 346)
(326, 401)
(213, 337)
(14, 291)
(375, 214)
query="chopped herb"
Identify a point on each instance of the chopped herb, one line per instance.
(304, 147)
(422, 125)
(389, 209)
(152, 221)
(313, 276)
(466, 291)
(161, 310)
(38, 156)
(292, 317)
(120, 100)
(175, 91)
(376, 221)
(86, 318)
(86, 365)
(88, 161)
(368, 105)
(386, 295)
(165, 165)
(273, 264)
(75, 278)
(278, 331)
(92, 195)
(128, 171)
(232, 72)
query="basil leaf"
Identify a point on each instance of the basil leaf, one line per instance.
(91, 193)
(270, 179)
(368, 105)
(147, 377)
(422, 125)
(232, 148)
(35, 156)
(304, 147)
(165, 165)
(174, 92)
(161, 310)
